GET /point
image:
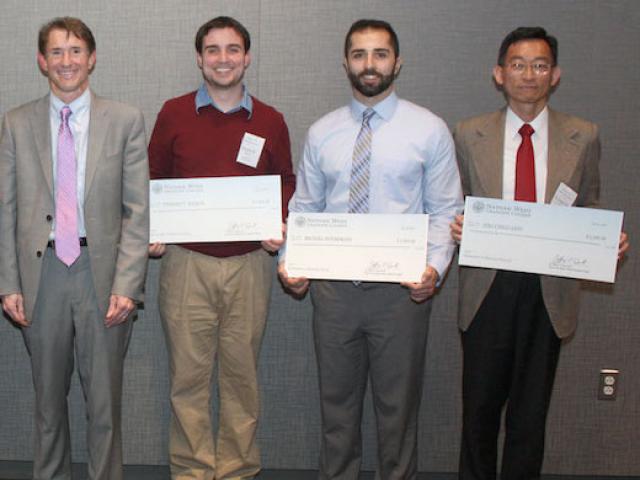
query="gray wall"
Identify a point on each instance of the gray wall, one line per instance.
(145, 55)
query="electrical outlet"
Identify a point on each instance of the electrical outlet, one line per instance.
(609, 384)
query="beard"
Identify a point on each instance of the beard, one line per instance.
(357, 81)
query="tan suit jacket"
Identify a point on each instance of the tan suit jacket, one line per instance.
(116, 199)
(574, 153)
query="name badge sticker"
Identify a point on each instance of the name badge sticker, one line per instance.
(250, 150)
(564, 196)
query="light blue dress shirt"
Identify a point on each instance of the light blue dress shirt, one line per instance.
(79, 125)
(203, 99)
(413, 168)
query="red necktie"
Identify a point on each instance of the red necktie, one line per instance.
(525, 167)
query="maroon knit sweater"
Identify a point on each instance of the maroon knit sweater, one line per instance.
(186, 144)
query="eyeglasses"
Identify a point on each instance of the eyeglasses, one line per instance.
(538, 68)
(58, 53)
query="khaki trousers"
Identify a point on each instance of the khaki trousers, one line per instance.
(214, 307)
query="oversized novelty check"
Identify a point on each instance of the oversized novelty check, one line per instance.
(367, 247)
(538, 238)
(220, 209)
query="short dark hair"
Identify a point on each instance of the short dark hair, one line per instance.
(528, 33)
(367, 24)
(223, 22)
(71, 25)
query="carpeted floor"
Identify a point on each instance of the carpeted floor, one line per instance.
(22, 471)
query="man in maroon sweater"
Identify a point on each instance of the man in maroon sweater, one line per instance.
(214, 297)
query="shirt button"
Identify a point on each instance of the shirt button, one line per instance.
(38, 254)
(49, 218)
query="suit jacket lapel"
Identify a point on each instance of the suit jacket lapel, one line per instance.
(562, 156)
(98, 128)
(41, 128)
(489, 153)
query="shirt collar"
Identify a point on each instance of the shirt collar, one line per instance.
(513, 122)
(203, 99)
(384, 109)
(80, 104)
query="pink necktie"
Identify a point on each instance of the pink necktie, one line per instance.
(66, 229)
(525, 167)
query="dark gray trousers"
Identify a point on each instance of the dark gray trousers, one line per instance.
(369, 330)
(67, 320)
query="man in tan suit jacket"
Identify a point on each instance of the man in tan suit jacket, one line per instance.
(512, 322)
(80, 307)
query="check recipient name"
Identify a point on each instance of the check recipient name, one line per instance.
(218, 209)
(540, 238)
(350, 246)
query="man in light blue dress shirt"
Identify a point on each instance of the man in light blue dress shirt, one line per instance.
(364, 329)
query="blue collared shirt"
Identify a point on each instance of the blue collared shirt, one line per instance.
(203, 99)
(413, 168)
(79, 125)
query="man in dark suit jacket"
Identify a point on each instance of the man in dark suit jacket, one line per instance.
(73, 245)
(513, 322)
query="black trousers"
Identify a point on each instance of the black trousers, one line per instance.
(510, 354)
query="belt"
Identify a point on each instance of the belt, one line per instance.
(81, 240)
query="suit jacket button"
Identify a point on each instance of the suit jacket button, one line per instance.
(38, 254)
(49, 218)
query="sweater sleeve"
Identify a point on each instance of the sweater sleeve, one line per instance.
(161, 146)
